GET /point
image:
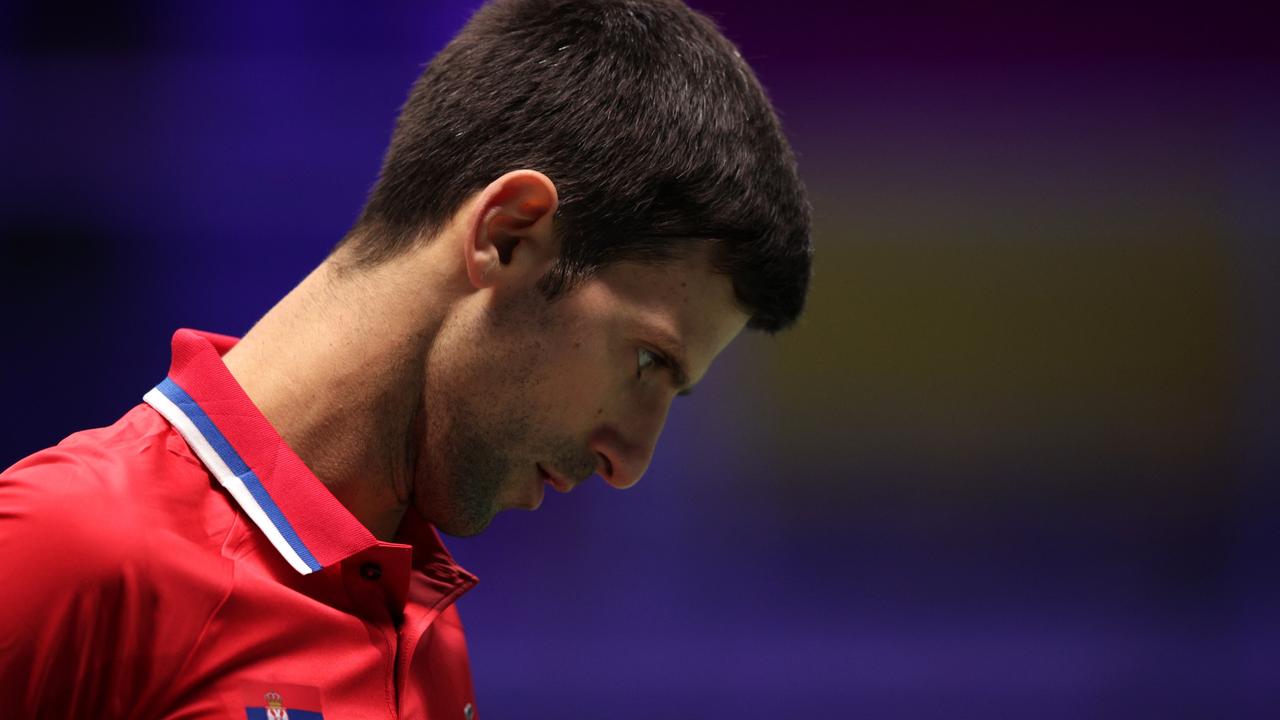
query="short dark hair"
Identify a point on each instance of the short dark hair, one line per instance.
(652, 126)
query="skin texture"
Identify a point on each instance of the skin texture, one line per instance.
(443, 379)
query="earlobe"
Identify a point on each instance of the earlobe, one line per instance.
(511, 237)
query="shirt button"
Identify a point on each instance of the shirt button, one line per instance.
(371, 571)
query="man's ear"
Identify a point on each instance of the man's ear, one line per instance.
(510, 239)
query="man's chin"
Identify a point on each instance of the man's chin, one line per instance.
(462, 526)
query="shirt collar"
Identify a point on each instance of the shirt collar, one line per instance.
(303, 520)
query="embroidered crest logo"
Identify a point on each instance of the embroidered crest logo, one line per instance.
(273, 700)
(275, 707)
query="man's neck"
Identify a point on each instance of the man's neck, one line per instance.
(341, 382)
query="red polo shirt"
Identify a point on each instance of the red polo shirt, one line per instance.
(185, 563)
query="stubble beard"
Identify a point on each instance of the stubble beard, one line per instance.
(487, 440)
(474, 467)
(477, 427)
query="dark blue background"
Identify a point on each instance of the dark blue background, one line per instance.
(1018, 460)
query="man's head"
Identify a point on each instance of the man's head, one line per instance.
(614, 194)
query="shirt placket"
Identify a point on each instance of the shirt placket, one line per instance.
(434, 588)
(377, 582)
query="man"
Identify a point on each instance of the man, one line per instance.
(583, 203)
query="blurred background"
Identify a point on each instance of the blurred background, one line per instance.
(1018, 460)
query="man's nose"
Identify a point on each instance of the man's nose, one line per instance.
(625, 450)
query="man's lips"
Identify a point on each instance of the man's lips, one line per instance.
(559, 483)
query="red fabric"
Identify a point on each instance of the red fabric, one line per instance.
(135, 587)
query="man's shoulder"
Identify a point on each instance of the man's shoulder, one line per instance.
(100, 541)
(103, 465)
(97, 497)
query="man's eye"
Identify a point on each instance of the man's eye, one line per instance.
(646, 359)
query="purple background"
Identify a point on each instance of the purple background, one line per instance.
(1018, 460)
